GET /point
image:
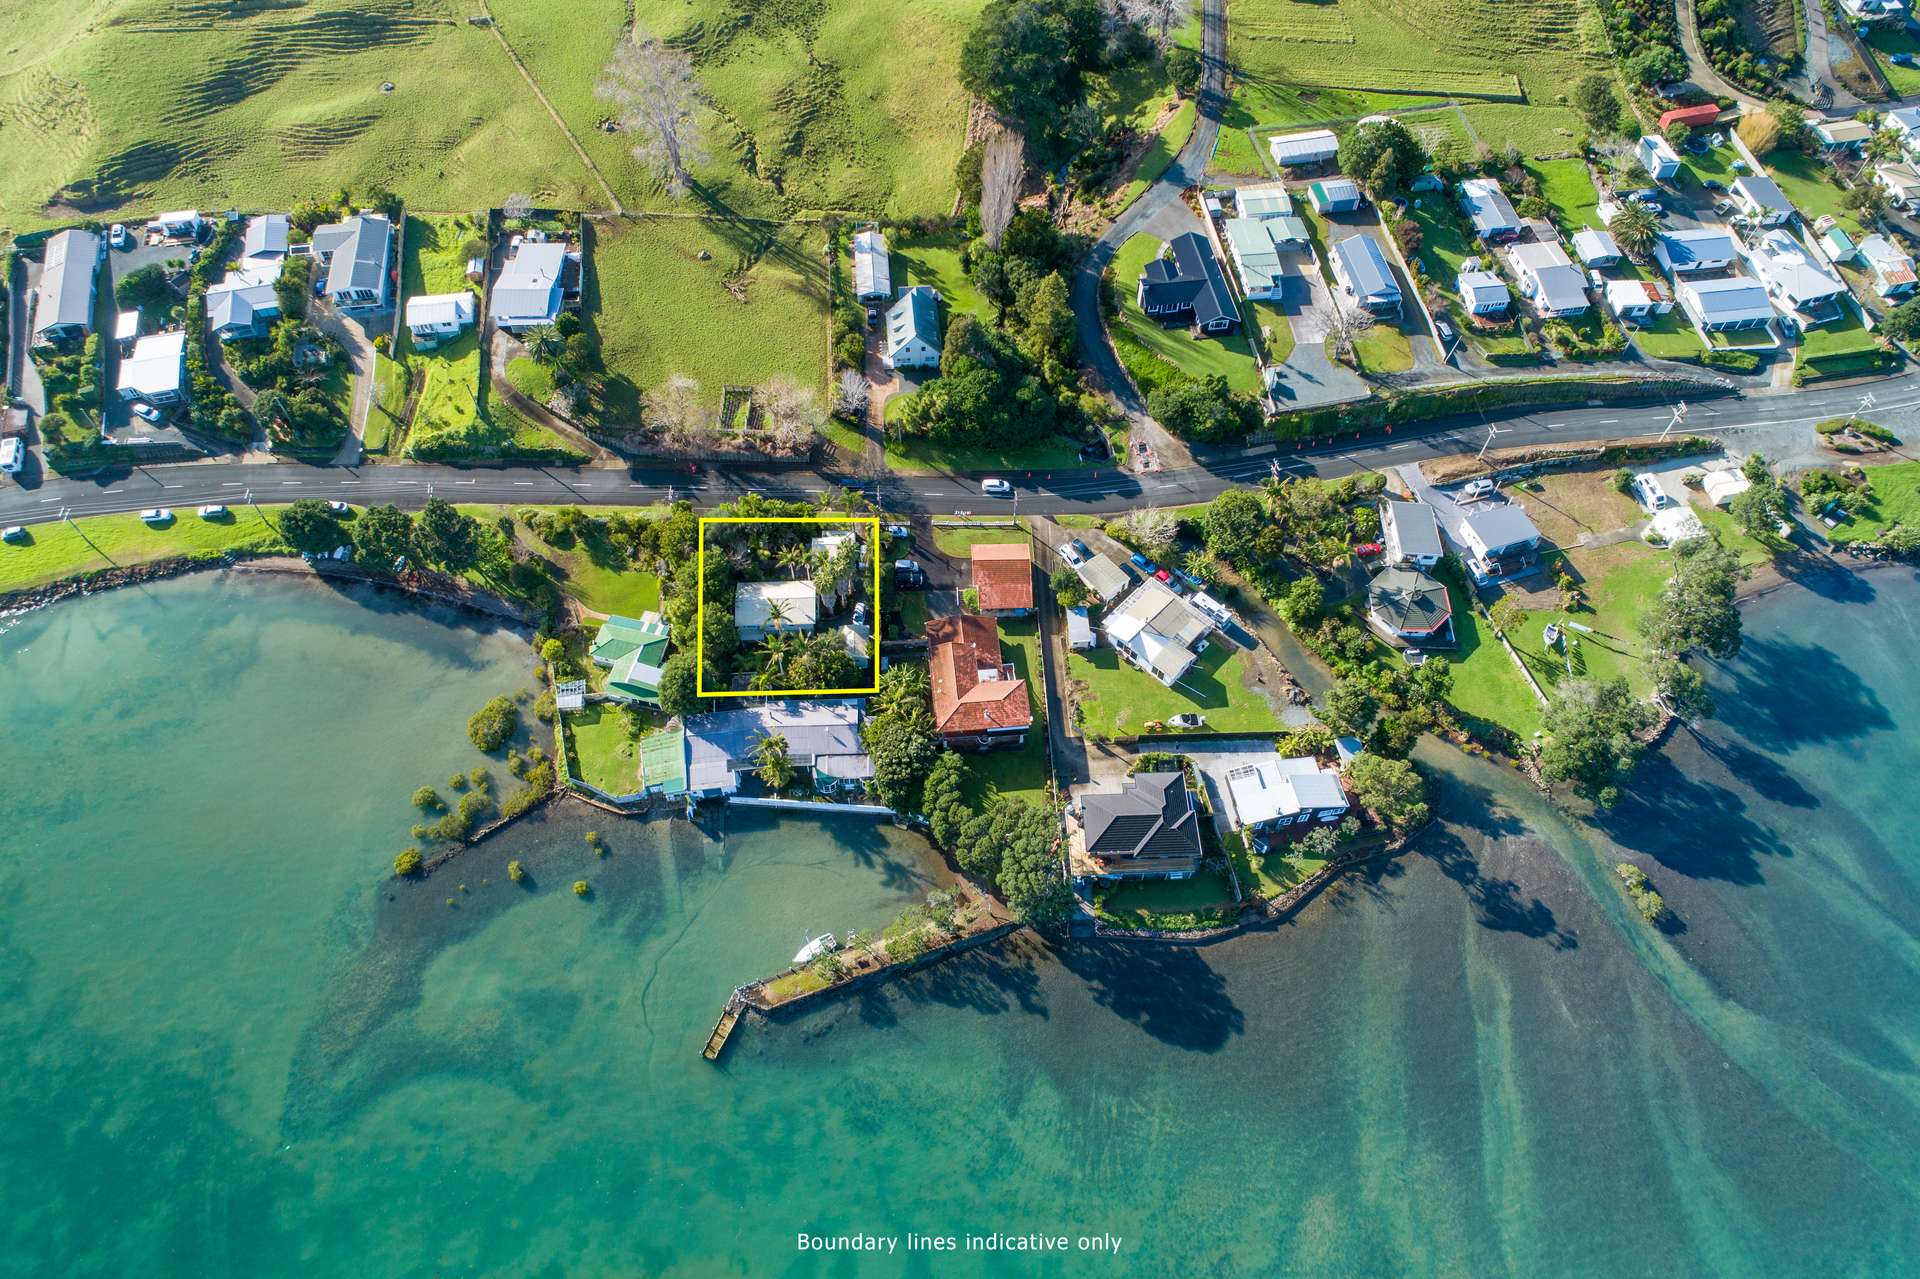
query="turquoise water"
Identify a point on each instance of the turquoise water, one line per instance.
(229, 1047)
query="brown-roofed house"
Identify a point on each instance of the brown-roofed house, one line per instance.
(978, 702)
(1003, 574)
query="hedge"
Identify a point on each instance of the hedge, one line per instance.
(1426, 404)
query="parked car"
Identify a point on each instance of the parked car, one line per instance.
(1163, 575)
(996, 488)
(1367, 550)
(1714, 184)
(873, 317)
(14, 533)
(1902, 60)
(213, 511)
(1723, 207)
(1188, 720)
(1445, 331)
(145, 411)
(1193, 583)
(1475, 490)
(338, 508)
(900, 531)
(1093, 452)
(117, 236)
(908, 574)
(1074, 552)
(156, 515)
(1140, 562)
(13, 455)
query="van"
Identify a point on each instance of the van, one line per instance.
(13, 455)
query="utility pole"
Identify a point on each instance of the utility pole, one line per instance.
(1866, 403)
(1492, 431)
(1679, 416)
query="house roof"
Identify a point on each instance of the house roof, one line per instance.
(1079, 628)
(441, 308)
(240, 304)
(1900, 178)
(268, 235)
(1727, 301)
(1303, 148)
(752, 604)
(1659, 148)
(1334, 191)
(1475, 287)
(1788, 269)
(974, 690)
(1413, 528)
(1266, 199)
(1705, 113)
(915, 317)
(1889, 263)
(621, 637)
(360, 252)
(1497, 527)
(1152, 815)
(1364, 267)
(126, 325)
(1488, 207)
(1561, 285)
(1762, 192)
(663, 761)
(1267, 787)
(1837, 132)
(67, 280)
(1158, 627)
(1698, 244)
(1722, 487)
(1106, 579)
(531, 283)
(1188, 275)
(1902, 119)
(1407, 600)
(872, 269)
(1594, 245)
(157, 365)
(1252, 242)
(1633, 293)
(1003, 574)
(821, 735)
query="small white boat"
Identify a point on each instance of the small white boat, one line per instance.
(824, 944)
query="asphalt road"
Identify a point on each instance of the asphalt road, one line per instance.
(1779, 425)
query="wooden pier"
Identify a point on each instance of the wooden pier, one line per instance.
(723, 1029)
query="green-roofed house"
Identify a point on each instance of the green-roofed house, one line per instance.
(635, 650)
(663, 761)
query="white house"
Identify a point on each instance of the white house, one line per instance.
(1845, 134)
(872, 268)
(1259, 248)
(181, 224)
(1156, 630)
(1637, 299)
(1498, 540)
(1873, 11)
(1800, 284)
(1595, 247)
(157, 370)
(268, 236)
(1361, 269)
(244, 304)
(1489, 210)
(755, 605)
(69, 274)
(1901, 181)
(1657, 157)
(433, 318)
(1483, 292)
(1410, 533)
(1730, 303)
(1549, 278)
(1893, 275)
(1269, 793)
(913, 330)
(1695, 250)
(533, 285)
(1312, 147)
(1264, 200)
(1760, 198)
(355, 253)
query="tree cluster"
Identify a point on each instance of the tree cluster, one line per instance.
(899, 738)
(1384, 155)
(1029, 61)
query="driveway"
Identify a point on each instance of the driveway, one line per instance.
(1308, 377)
(357, 344)
(1699, 70)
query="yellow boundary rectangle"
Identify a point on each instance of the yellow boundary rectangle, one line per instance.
(700, 605)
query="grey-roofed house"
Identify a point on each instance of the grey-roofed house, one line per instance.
(533, 286)
(913, 330)
(69, 275)
(1657, 157)
(1759, 197)
(1334, 195)
(1489, 210)
(1695, 250)
(1274, 795)
(1596, 247)
(756, 603)
(1156, 630)
(1483, 292)
(823, 737)
(872, 267)
(1798, 281)
(1185, 285)
(1549, 279)
(1314, 146)
(1410, 533)
(1149, 829)
(1364, 276)
(1407, 606)
(244, 304)
(356, 253)
(1103, 577)
(266, 236)
(1499, 540)
(1893, 274)
(1731, 303)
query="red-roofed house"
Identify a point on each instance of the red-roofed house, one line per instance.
(978, 702)
(1692, 117)
(1003, 575)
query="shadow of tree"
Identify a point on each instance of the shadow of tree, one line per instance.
(1168, 990)
(1783, 692)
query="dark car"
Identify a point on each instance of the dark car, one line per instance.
(873, 317)
(1093, 452)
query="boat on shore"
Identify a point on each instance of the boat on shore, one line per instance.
(824, 944)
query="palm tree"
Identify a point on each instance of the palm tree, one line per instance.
(792, 557)
(773, 765)
(1883, 146)
(1635, 227)
(777, 615)
(545, 344)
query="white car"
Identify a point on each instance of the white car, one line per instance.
(117, 236)
(1074, 552)
(900, 531)
(996, 488)
(156, 515)
(13, 455)
(1188, 721)
(14, 533)
(213, 511)
(146, 412)
(1476, 490)
(338, 508)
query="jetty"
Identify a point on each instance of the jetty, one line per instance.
(723, 1029)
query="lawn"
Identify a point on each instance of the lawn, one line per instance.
(1276, 331)
(1895, 500)
(1160, 153)
(1272, 874)
(1382, 348)
(604, 754)
(1667, 337)
(959, 540)
(1016, 774)
(1568, 187)
(934, 258)
(59, 550)
(1274, 106)
(1205, 900)
(1714, 166)
(1141, 341)
(531, 378)
(1888, 40)
(590, 571)
(384, 420)
(1839, 349)
(1119, 699)
(255, 106)
(1485, 683)
(833, 105)
(1808, 183)
(754, 309)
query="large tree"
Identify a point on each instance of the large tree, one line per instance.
(1590, 743)
(1012, 845)
(945, 800)
(653, 88)
(381, 536)
(1697, 610)
(311, 527)
(1234, 520)
(1597, 103)
(1383, 154)
(1028, 59)
(445, 536)
(899, 737)
(1392, 788)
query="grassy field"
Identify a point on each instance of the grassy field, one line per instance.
(1204, 900)
(1896, 500)
(1276, 330)
(1139, 339)
(139, 103)
(61, 550)
(1888, 40)
(603, 754)
(1016, 774)
(1382, 348)
(959, 540)
(1119, 699)
(935, 259)
(1272, 874)
(1667, 337)
(832, 104)
(1806, 182)
(756, 307)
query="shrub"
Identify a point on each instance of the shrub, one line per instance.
(581, 888)
(516, 872)
(457, 781)
(407, 862)
(428, 800)
(493, 724)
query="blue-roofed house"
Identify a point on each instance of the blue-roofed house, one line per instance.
(1364, 275)
(357, 254)
(1335, 195)
(913, 330)
(1731, 303)
(1695, 250)
(1185, 285)
(1483, 292)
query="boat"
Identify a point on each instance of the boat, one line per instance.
(824, 944)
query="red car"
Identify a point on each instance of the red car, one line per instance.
(1367, 550)
(1163, 575)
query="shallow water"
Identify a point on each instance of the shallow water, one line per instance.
(229, 1046)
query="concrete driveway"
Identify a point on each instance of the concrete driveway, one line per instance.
(355, 333)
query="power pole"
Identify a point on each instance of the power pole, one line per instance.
(1679, 416)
